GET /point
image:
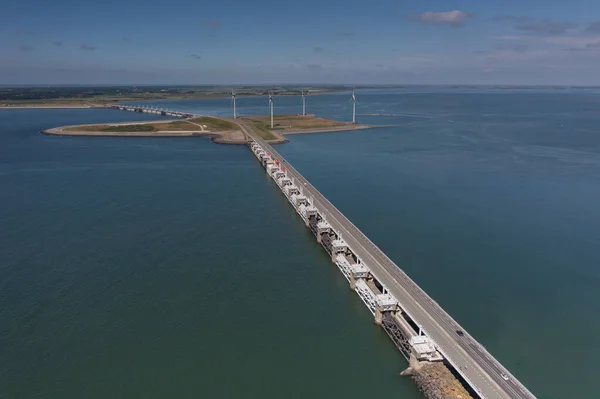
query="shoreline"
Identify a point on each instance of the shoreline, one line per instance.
(217, 137)
(235, 137)
(226, 137)
(281, 135)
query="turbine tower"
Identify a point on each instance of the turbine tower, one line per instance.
(271, 108)
(303, 102)
(353, 100)
(233, 101)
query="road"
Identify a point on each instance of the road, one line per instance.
(477, 366)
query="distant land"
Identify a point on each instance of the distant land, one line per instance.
(100, 96)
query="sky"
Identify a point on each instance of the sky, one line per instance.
(537, 42)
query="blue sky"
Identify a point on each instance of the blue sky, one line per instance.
(310, 41)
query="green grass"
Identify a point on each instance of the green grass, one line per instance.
(129, 128)
(215, 124)
(116, 128)
(175, 126)
(148, 127)
(265, 131)
(261, 127)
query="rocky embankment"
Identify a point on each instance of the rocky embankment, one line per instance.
(437, 382)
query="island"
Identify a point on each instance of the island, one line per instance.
(221, 130)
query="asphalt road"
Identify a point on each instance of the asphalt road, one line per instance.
(477, 366)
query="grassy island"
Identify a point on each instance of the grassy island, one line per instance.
(212, 123)
(294, 124)
(221, 130)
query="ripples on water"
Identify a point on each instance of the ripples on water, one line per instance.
(173, 267)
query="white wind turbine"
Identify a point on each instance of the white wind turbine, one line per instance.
(233, 101)
(353, 100)
(304, 102)
(271, 108)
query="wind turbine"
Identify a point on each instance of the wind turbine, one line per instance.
(303, 102)
(353, 100)
(271, 108)
(233, 101)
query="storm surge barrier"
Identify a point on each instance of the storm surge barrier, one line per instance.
(418, 326)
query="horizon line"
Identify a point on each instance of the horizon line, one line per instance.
(259, 85)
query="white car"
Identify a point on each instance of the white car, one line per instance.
(504, 376)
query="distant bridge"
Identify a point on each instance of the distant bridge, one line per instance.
(151, 110)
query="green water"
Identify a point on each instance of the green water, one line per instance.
(158, 268)
(175, 267)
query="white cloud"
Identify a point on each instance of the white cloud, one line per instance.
(454, 17)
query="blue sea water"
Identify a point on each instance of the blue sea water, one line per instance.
(174, 268)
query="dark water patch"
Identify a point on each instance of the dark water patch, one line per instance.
(166, 267)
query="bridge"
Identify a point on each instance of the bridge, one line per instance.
(418, 325)
(151, 110)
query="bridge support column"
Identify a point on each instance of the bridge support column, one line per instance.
(352, 282)
(378, 316)
(319, 237)
(307, 222)
(413, 365)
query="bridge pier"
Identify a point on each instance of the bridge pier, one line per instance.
(378, 316)
(338, 246)
(413, 365)
(352, 282)
(310, 212)
(322, 228)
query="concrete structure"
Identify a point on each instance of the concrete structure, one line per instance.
(423, 349)
(304, 93)
(402, 308)
(151, 110)
(233, 102)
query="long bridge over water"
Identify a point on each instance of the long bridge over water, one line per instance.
(417, 324)
(151, 110)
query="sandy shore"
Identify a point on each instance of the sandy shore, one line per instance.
(224, 137)
(281, 134)
(326, 129)
(228, 137)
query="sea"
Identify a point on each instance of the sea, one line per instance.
(174, 267)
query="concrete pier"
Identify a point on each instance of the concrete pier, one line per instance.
(151, 110)
(378, 316)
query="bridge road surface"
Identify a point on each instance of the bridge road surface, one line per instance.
(477, 366)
